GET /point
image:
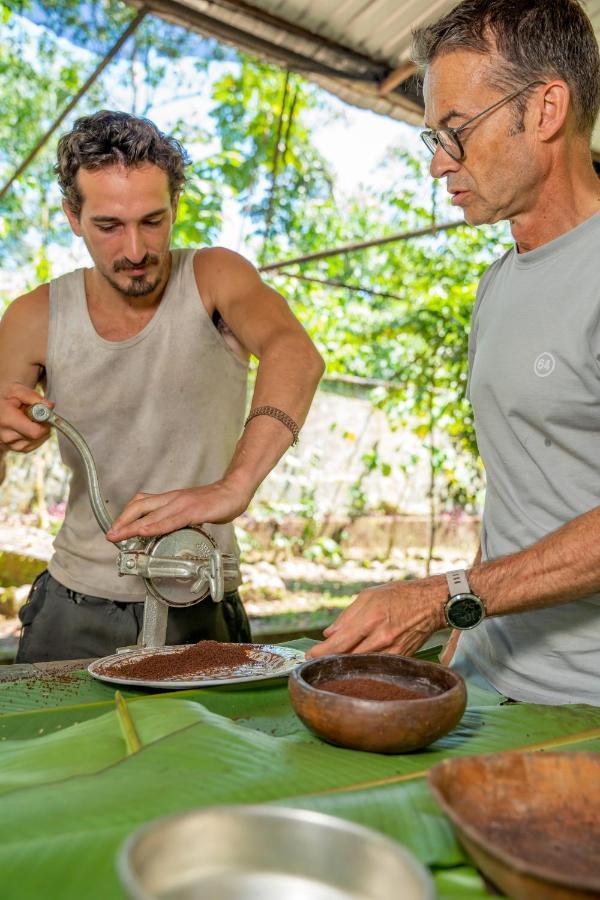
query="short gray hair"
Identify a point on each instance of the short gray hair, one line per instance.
(110, 138)
(536, 39)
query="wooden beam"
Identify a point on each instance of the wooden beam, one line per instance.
(361, 245)
(206, 20)
(396, 77)
(131, 28)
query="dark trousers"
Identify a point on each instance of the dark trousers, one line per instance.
(59, 623)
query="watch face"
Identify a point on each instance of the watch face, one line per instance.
(465, 611)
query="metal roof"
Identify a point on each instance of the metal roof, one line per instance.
(356, 49)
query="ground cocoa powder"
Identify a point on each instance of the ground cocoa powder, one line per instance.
(369, 689)
(211, 658)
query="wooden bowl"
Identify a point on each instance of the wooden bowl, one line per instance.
(431, 701)
(530, 821)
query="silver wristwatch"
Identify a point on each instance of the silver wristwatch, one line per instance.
(463, 609)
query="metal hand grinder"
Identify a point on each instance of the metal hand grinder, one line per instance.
(178, 569)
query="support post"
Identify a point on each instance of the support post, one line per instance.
(154, 629)
(133, 26)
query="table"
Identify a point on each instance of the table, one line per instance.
(70, 793)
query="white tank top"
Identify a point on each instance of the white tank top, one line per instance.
(160, 411)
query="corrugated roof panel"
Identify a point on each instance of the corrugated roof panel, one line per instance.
(362, 25)
(385, 28)
(349, 47)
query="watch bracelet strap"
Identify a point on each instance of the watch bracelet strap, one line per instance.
(458, 582)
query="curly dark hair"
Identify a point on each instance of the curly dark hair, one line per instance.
(536, 40)
(110, 138)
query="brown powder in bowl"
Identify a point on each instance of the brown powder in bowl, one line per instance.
(211, 658)
(369, 689)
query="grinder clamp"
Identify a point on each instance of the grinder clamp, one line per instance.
(178, 569)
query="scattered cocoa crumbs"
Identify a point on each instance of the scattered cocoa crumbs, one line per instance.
(50, 685)
(65, 676)
(369, 689)
(213, 659)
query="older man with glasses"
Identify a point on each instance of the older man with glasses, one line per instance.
(512, 92)
(449, 138)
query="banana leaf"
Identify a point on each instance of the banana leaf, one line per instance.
(460, 883)
(34, 686)
(37, 689)
(70, 791)
(59, 838)
(87, 747)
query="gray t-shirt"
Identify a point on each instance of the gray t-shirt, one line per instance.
(535, 388)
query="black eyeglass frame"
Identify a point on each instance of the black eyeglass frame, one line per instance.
(431, 139)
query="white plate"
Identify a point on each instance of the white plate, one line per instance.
(288, 659)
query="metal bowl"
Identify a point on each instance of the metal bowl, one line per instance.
(381, 726)
(263, 853)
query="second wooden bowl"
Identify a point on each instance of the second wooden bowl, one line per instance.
(530, 821)
(430, 701)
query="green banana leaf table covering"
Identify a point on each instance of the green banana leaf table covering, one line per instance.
(72, 787)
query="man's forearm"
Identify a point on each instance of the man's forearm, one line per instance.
(399, 617)
(288, 375)
(287, 378)
(563, 566)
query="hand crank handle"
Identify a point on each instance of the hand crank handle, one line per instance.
(39, 412)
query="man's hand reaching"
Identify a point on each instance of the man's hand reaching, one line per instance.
(147, 515)
(392, 618)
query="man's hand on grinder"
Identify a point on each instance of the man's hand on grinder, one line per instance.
(17, 431)
(392, 618)
(147, 515)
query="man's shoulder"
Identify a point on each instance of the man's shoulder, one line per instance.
(485, 283)
(500, 262)
(217, 258)
(220, 273)
(25, 325)
(493, 270)
(33, 304)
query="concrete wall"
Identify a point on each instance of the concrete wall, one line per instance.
(338, 432)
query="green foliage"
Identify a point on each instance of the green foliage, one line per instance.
(268, 158)
(34, 86)
(18, 568)
(403, 320)
(325, 549)
(371, 463)
(199, 215)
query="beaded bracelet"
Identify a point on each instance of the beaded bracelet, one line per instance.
(278, 414)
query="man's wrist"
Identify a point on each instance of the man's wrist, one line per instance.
(464, 608)
(437, 594)
(243, 484)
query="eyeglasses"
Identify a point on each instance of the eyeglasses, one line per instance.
(448, 138)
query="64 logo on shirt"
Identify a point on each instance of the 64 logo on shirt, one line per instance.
(544, 365)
